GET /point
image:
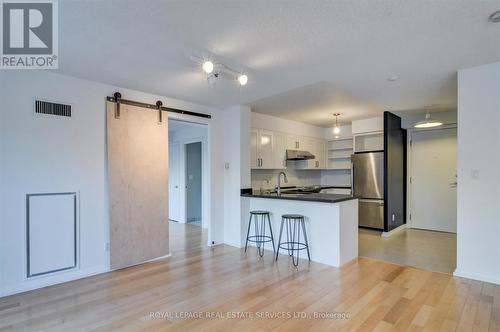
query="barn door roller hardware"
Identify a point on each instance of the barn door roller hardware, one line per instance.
(117, 98)
(159, 104)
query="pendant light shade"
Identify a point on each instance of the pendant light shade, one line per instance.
(336, 129)
(428, 122)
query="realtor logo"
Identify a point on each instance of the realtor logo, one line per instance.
(29, 34)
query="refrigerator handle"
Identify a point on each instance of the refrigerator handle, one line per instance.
(352, 177)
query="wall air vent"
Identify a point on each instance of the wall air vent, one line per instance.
(50, 108)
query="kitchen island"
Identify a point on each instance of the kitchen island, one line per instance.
(331, 222)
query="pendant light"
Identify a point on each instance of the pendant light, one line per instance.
(336, 129)
(428, 122)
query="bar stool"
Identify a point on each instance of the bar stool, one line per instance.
(293, 223)
(260, 238)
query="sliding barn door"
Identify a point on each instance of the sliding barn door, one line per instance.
(138, 185)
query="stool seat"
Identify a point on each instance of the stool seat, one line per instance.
(292, 216)
(259, 212)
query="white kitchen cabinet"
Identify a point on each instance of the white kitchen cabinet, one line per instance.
(254, 160)
(293, 142)
(279, 150)
(318, 148)
(265, 147)
(267, 150)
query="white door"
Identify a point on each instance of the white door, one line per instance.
(433, 180)
(174, 182)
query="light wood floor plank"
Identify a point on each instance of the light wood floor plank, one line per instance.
(375, 295)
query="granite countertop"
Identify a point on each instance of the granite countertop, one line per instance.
(322, 198)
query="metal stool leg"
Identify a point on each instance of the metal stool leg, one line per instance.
(305, 238)
(279, 239)
(271, 231)
(261, 234)
(289, 235)
(248, 232)
(295, 261)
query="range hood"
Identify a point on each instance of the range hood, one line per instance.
(299, 155)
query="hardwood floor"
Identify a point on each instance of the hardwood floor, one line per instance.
(376, 296)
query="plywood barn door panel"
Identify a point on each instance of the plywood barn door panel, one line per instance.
(138, 185)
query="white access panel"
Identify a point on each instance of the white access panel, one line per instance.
(51, 232)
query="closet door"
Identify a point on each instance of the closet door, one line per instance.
(138, 185)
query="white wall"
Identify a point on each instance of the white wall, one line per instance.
(269, 122)
(237, 173)
(268, 178)
(478, 224)
(47, 154)
(345, 131)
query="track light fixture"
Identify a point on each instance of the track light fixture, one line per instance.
(216, 70)
(208, 66)
(243, 79)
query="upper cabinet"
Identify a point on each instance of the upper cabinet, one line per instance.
(267, 149)
(368, 134)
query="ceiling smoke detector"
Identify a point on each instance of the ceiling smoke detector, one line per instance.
(393, 78)
(495, 17)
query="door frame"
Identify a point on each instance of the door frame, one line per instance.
(203, 177)
(409, 140)
(206, 198)
(179, 145)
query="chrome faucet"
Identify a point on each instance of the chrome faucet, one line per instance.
(278, 188)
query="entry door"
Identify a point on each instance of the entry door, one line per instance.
(193, 182)
(433, 180)
(174, 202)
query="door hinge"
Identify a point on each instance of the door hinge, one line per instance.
(410, 179)
(410, 216)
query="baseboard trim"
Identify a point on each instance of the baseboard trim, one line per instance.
(394, 231)
(50, 280)
(473, 276)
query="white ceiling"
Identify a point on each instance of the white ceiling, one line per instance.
(305, 59)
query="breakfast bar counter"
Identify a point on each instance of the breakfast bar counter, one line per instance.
(331, 222)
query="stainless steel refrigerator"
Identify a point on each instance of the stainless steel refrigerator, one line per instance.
(368, 186)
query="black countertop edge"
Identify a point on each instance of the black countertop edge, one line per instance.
(321, 198)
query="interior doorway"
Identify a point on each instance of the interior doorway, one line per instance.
(188, 185)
